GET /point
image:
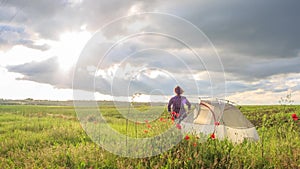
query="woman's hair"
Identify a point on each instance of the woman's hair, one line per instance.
(178, 90)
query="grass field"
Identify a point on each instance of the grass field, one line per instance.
(33, 136)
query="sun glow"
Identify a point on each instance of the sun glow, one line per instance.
(69, 47)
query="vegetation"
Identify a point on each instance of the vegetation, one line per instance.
(37, 136)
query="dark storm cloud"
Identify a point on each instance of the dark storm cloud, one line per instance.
(255, 28)
(252, 70)
(247, 33)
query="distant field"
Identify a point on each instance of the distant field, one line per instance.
(44, 136)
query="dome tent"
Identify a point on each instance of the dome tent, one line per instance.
(221, 118)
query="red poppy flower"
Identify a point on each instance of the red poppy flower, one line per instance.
(186, 137)
(146, 131)
(295, 117)
(149, 126)
(212, 136)
(195, 144)
(178, 126)
(217, 123)
(173, 118)
(173, 113)
(161, 119)
(146, 121)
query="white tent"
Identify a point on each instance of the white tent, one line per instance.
(221, 118)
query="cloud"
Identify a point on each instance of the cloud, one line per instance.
(260, 97)
(129, 79)
(253, 69)
(271, 30)
(50, 18)
(46, 71)
(256, 41)
(12, 35)
(273, 85)
(254, 28)
(124, 81)
(120, 63)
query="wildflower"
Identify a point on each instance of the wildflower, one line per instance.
(161, 119)
(146, 121)
(295, 117)
(172, 118)
(149, 126)
(178, 126)
(195, 144)
(146, 131)
(186, 137)
(212, 136)
(174, 114)
(217, 123)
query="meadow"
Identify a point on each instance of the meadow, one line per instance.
(44, 136)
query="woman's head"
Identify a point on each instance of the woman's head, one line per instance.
(178, 90)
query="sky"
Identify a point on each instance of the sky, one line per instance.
(244, 51)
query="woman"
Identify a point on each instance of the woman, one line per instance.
(177, 102)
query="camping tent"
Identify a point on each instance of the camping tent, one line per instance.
(221, 118)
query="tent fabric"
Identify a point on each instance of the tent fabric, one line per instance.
(234, 118)
(233, 125)
(204, 117)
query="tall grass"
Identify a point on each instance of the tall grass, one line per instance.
(51, 137)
